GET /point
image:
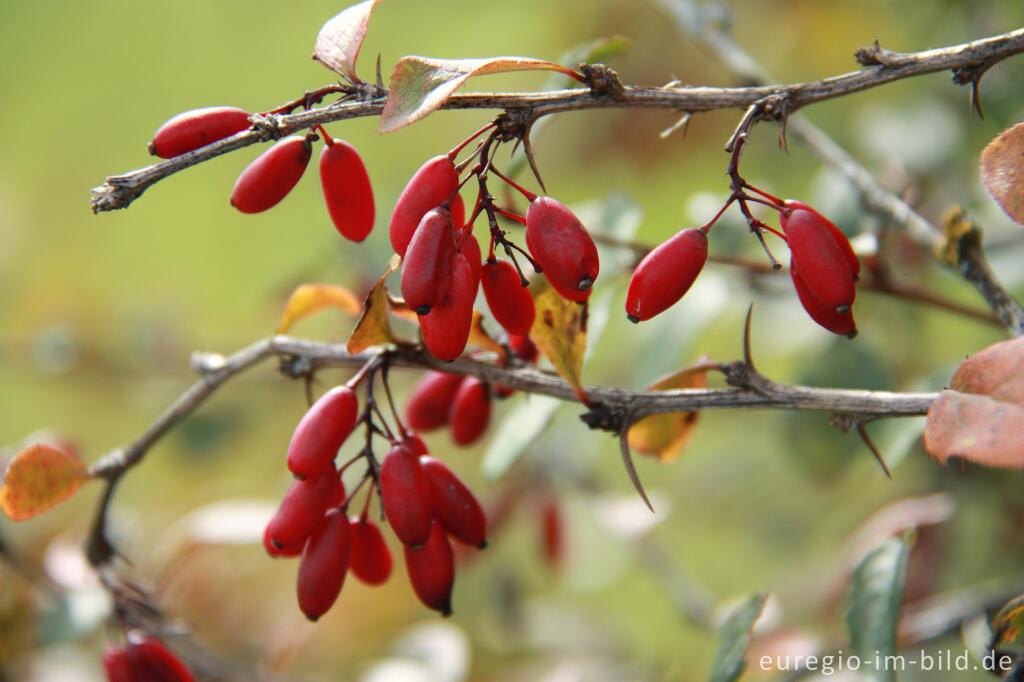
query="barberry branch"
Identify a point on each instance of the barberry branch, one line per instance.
(605, 91)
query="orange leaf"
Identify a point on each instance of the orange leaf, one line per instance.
(997, 371)
(308, 299)
(560, 332)
(37, 478)
(420, 85)
(978, 428)
(667, 435)
(373, 326)
(1002, 171)
(1008, 624)
(337, 44)
(478, 336)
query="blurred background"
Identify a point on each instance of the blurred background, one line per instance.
(98, 316)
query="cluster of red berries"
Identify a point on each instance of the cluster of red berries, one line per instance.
(272, 175)
(143, 659)
(823, 268)
(423, 501)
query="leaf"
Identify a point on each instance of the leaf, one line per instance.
(37, 478)
(337, 44)
(420, 85)
(1008, 624)
(667, 435)
(1002, 171)
(977, 428)
(734, 638)
(478, 336)
(373, 326)
(997, 371)
(308, 299)
(875, 602)
(560, 332)
(519, 429)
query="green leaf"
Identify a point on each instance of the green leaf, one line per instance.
(519, 429)
(734, 638)
(337, 44)
(37, 478)
(420, 85)
(875, 602)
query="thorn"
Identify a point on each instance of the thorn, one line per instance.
(874, 451)
(748, 359)
(683, 122)
(975, 99)
(380, 81)
(783, 142)
(528, 148)
(627, 459)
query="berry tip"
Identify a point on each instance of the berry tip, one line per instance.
(633, 319)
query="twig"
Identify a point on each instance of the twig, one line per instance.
(120, 190)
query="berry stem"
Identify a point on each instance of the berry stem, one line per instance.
(458, 148)
(530, 196)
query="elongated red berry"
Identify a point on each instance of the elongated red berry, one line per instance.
(471, 411)
(562, 247)
(446, 327)
(405, 496)
(371, 558)
(820, 256)
(470, 248)
(666, 273)
(303, 507)
(427, 264)
(414, 444)
(197, 128)
(152, 661)
(291, 551)
(347, 190)
(323, 565)
(431, 185)
(552, 532)
(117, 664)
(829, 318)
(454, 505)
(321, 431)
(431, 571)
(431, 400)
(509, 301)
(837, 234)
(269, 178)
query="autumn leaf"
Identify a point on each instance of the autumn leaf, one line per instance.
(560, 332)
(1002, 171)
(478, 336)
(1008, 624)
(308, 299)
(997, 371)
(420, 85)
(373, 326)
(667, 435)
(38, 478)
(338, 43)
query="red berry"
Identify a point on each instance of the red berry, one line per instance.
(371, 558)
(197, 128)
(666, 273)
(509, 301)
(347, 190)
(470, 248)
(427, 264)
(268, 179)
(414, 444)
(323, 565)
(303, 508)
(829, 318)
(117, 664)
(432, 185)
(431, 571)
(290, 551)
(820, 256)
(431, 400)
(405, 496)
(454, 505)
(471, 411)
(837, 234)
(321, 431)
(446, 327)
(152, 661)
(524, 348)
(562, 247)
(552, 532)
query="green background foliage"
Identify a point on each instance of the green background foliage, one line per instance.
(98, 315)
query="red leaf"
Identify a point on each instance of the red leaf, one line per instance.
(1002, 171)
(337, 44)
(420, 85)
(978, 428)
(37, 478)
(997, 371)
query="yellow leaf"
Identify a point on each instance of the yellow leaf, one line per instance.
(37, 478)
(560, 332)
(667, 435)
(478, 336)
(308, 299)
(373, 326)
